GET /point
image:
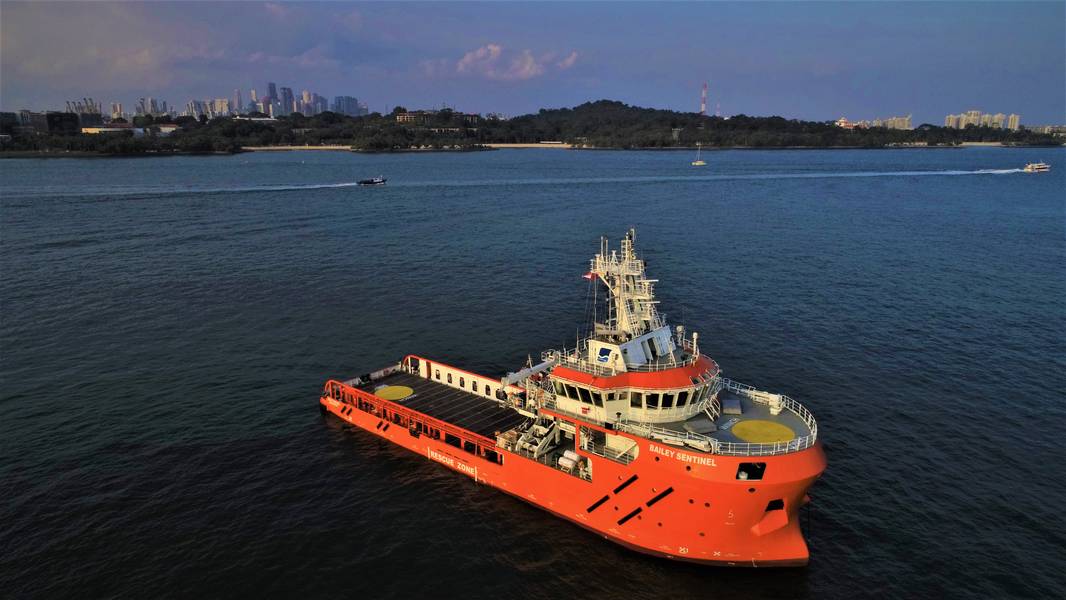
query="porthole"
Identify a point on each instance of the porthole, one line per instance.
(706, 505)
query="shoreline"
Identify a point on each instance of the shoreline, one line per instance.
(11, 154)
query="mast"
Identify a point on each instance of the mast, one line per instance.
(632, 298)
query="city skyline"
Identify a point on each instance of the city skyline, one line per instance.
(808, 61)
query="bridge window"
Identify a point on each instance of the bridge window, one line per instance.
(585, 396)
(571, 392)
(597, 399)
(636, 400)
(488, 391)
(449, 377)
(462, 382)
(653, 400)
(559, 390)
(438, 374)
(682, 398)
(473, 385)
(668, 400)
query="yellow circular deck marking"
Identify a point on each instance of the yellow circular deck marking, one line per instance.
(758, 431)
(394, 392)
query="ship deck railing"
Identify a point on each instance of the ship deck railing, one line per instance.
(551, 459)
(575, 358)
(609, 453)
(731, 448)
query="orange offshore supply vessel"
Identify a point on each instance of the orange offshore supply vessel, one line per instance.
(633, 434)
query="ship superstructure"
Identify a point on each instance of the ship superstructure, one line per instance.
(633, 433)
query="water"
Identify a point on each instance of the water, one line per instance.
(167, 324)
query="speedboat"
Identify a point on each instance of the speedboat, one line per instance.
(1037, 167)
(379, 180)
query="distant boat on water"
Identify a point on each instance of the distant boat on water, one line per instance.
(379, 180)
(1037, 167)
(699, 162)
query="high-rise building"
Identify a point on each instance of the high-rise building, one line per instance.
(319, 103)
(288, 102)
(977, 118)
(237, 104)
(253, 96)
(272, 91)
(348, 105)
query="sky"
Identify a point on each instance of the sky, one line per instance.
(804, 60)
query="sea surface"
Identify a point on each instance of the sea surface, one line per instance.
(166, 325)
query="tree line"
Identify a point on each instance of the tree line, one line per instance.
(600, 124)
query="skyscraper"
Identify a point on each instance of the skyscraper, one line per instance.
(346, 105)
(237, 104)
(272, 91)
(287, 101)
(319, 103)
(1014, 122)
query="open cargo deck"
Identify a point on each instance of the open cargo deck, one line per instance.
(481, 415)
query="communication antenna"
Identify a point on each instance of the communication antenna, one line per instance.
(703, 100)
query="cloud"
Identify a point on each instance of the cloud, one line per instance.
(317, 56)
(352, 20)
(494, 62)
(277, 10)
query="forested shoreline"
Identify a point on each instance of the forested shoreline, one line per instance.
(603, 124)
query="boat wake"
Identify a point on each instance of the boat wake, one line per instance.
(157, 191)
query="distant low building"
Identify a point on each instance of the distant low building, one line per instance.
(1055, 130)
(62, 123)
(844, 123)
(114, 128)
(9, 123)
(412, 118)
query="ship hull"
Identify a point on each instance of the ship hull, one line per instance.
(668, 502)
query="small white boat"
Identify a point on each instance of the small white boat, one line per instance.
(1037, 167)
(379, 180)
(699, 162)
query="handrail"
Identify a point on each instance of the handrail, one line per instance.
(574, 357)
(345, 393)
(738, 448)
